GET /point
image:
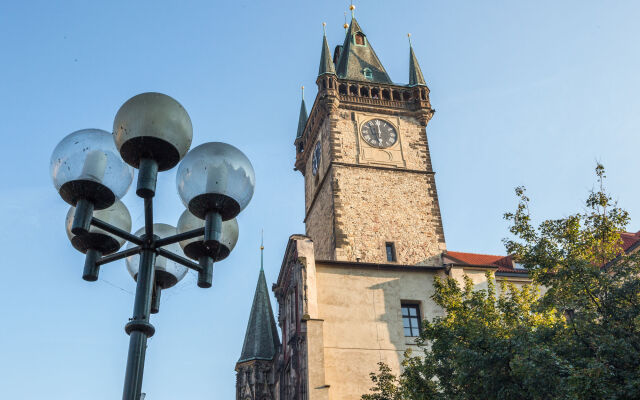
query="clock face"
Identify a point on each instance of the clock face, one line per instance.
(315, 161)
(379, 133)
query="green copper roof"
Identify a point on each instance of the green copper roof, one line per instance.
(261, 340)
(415, 73)
(302, 121)
(358, 61)
(326, 63)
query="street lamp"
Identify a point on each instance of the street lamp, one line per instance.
(92, 170)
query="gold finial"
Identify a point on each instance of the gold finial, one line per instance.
(345, 26)
(352, 8)
(302, 92)
(324, 28)
(261, 249)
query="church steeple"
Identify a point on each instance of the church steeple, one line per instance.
(261, 339)
(302, 120)
(415, 73)
(357, 60)
(326, 63)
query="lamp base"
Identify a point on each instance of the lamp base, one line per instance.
(195, 250)
(97, 193)
(224, 205)
(164, 153)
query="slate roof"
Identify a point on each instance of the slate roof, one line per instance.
(326, 62)
(261, 339)
(355, 58)
(415, 73)
(302, 120)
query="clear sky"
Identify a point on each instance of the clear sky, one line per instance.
(526, 92)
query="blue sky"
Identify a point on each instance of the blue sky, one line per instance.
(527, 93)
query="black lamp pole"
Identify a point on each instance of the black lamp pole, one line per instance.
(148, 246)
(151, 132)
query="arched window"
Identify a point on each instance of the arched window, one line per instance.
(367, 73)
(359, 39)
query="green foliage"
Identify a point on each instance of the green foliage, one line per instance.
(580, 340)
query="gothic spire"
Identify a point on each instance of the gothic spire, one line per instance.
(415, 73)
(261, 339)
(302, 120)
(357, 60)
(326, 63)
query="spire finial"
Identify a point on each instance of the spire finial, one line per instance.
(345, 26)
(409, 36)
(302, 92)
(352, 8)
(324, 28)
(262, 250)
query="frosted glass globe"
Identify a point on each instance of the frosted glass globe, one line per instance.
(117, 215)
(168, 272)
(153, 126)
(86, 164)
(195, 248)
(215, 177)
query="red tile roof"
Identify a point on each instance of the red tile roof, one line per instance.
(505, 263)
(629, 239)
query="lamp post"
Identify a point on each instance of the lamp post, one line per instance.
(92, 169)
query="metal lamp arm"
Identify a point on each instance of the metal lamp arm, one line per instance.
(119, 255)
(180, 260)
(116, 231)
(179, 237)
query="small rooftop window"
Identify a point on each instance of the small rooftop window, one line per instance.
(359, 39)
(367, 73)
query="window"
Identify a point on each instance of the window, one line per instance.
(411, 319)
(360, 39)
(391, 251)
(367, 73)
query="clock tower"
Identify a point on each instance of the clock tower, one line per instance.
(370, 190)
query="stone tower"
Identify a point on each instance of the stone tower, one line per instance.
(255, 378)
(370, 192)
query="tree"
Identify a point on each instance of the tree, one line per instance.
(581, 339)
(590, 278)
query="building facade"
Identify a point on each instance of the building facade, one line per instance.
(353, 290)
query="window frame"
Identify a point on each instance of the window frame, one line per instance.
(390, 246)
(412, 319)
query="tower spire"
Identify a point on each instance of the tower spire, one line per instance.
(357, 59)
(326, 63)
(302, 121)
(415, 73)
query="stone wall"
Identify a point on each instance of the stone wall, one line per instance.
(363, 197)
(319, 196)
(375, 206)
